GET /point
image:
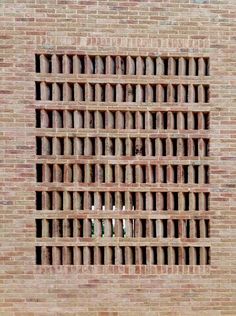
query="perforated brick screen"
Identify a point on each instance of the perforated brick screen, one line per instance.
(122, 160)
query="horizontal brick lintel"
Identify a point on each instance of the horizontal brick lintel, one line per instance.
(55, 159)
(123, 269)
(200, 189)
(142, 133)
(125, 214)
(119, 242)
(126, 106)
(122, 79)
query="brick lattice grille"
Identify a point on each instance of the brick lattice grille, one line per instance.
(122, 167)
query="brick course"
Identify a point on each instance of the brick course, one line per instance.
(192, 29)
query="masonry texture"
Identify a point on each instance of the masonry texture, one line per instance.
(117, 157)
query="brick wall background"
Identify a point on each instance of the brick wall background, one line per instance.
(171, 27)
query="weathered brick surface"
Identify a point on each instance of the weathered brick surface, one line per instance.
(174, 28)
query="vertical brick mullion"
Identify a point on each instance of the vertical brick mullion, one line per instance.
(77, 95)
(191, 94)
(118, 201)
(78, 256)
(170, 228)
(55, 66)
(44, 121)
(201, 175)
(43, 91)
(98, 65)
(192, 66)
(192, 228)
(127, 255)
(44, 255)
(190, 174)
(190, 147)
(170, 174)
(192, 256)
(180, 174)
(159, 228)
(203, 255)
(159, 201)
(181, 230)
(170, 66)
(107, 255)
(118, 255)
(201, 147)
(130, 197)
(182, 66)
(200, 120)
(181, 256)
(130, 66)
(43, 64)
(202, 228)
(200, 92)
(76, 65)
(170, 255)
(160, 256)
(169, 201)
(149, 66)
(201, 201)
(180, 147)
(181, 201)
(118, 65)
(108, 65)
(170, 93)
(44, 228)
(88, 65)
(159, 93)
(201, 67)
(65, 64)
(160, 66)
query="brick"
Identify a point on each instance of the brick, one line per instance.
(128, 203)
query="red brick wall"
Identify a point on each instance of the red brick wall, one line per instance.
(188, 28)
